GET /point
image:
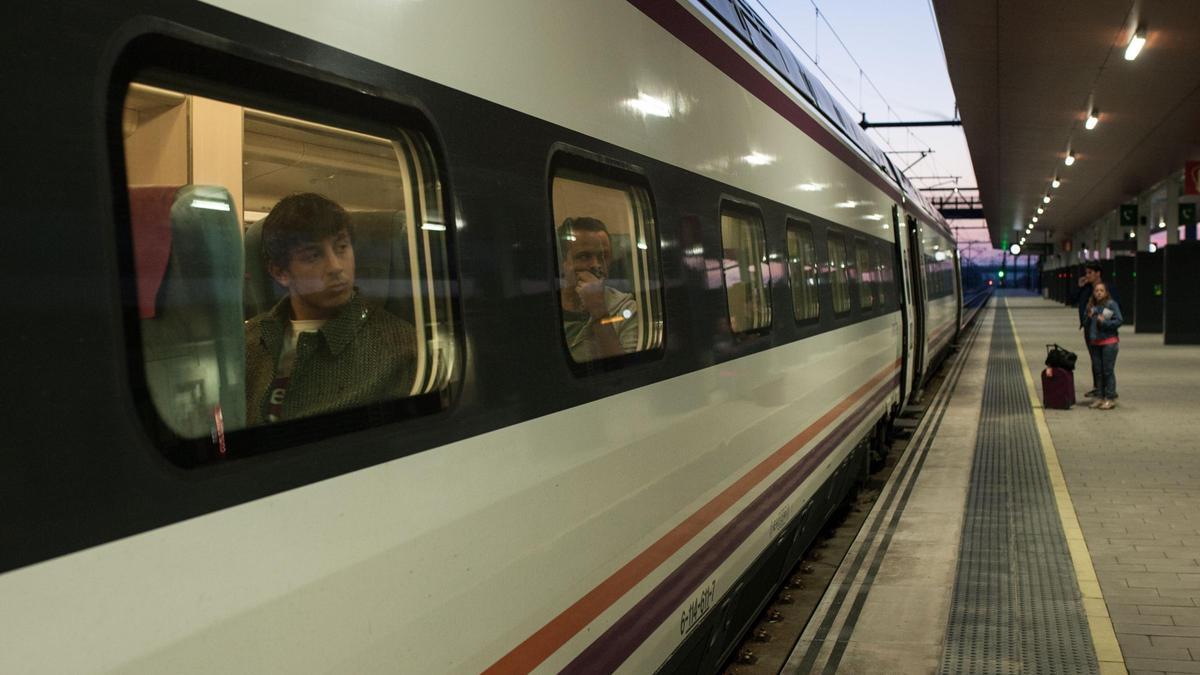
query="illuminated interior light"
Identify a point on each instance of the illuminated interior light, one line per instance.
(1070, 159)
(1046, 199)
(1055, 183)
(848, 204)
(811, 187)
(642, 245)
(210, 204)
(1133, 235)
(1041, 210)
(939, 256)
(758, 159)
(438, 227)
(1033, 219)
(1015, 249)
(649, 106)
(1162, 223)
(873, 216)
(1153, 247)
(1135, 44)
(1092, 120)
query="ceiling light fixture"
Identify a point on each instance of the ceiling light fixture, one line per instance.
(1034, 219)
(1041, 210)
(1046, 199)
(1136, 42)
(1092, 120)
(1070, 158)
(1055, 183)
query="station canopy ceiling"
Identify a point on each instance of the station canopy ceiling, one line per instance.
(1025, 72)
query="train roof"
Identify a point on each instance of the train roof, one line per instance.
(755, 34)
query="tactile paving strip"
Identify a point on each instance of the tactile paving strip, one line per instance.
(1016, 605)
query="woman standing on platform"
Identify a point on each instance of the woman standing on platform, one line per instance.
(1103, 320)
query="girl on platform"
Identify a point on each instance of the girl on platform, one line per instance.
(1103, 320)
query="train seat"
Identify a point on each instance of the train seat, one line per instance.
(188, 258)
(381, 265)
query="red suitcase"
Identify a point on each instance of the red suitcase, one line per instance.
(1058, 388)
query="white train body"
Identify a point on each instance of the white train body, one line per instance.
(560, 542)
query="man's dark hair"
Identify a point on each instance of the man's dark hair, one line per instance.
(298, 220)
(566, 231)
(1095, 267)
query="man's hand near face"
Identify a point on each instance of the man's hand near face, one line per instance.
(590, 289)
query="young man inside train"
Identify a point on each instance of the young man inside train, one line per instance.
(322, 347)
(599, 321)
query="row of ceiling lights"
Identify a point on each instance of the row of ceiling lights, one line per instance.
(1136, 42)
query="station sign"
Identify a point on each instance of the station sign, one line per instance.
(1187, 214)
(1129, 215)
(1191, 178)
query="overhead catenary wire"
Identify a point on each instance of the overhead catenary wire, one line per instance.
(829, 79)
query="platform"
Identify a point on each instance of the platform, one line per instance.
(1014, 539)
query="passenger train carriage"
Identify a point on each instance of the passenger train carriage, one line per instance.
(519, 507)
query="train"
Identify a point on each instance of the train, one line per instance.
(531, 500)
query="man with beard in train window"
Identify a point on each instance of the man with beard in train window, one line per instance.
(600, 322)
(322, 347)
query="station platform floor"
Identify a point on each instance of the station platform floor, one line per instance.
(1016, 539)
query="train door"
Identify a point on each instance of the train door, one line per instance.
(958, 288)
(917, 278)
(900, 263)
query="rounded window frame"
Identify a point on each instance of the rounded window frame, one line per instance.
(199, 64)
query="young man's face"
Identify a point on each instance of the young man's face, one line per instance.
(588, 253)
(319, 276)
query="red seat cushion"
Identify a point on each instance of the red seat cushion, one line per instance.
(150, 220)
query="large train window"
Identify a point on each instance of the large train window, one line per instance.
(607, 244)
(744, 268)
(285, 267)
(803, 270)
(840, 270)
(866, 275)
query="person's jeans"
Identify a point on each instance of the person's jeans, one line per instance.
(1104, 361)
(1093, 352)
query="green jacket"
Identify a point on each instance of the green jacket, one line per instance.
(363, 355)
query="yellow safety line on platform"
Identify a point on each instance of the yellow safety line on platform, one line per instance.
(1108, 652)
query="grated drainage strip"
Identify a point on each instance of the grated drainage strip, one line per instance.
(1016, 606)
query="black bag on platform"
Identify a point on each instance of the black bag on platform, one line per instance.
(1057, 357)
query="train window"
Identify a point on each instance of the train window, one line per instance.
(745, 269)
(285, 267)
(802, 270)
(608, 271)
(866, 275)
(840, 269)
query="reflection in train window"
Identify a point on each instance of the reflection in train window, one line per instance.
(840, 270)
(883, 274)
(284, 268)
(745, 269)
(802, 271)
(607, 247)
(866, 275)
